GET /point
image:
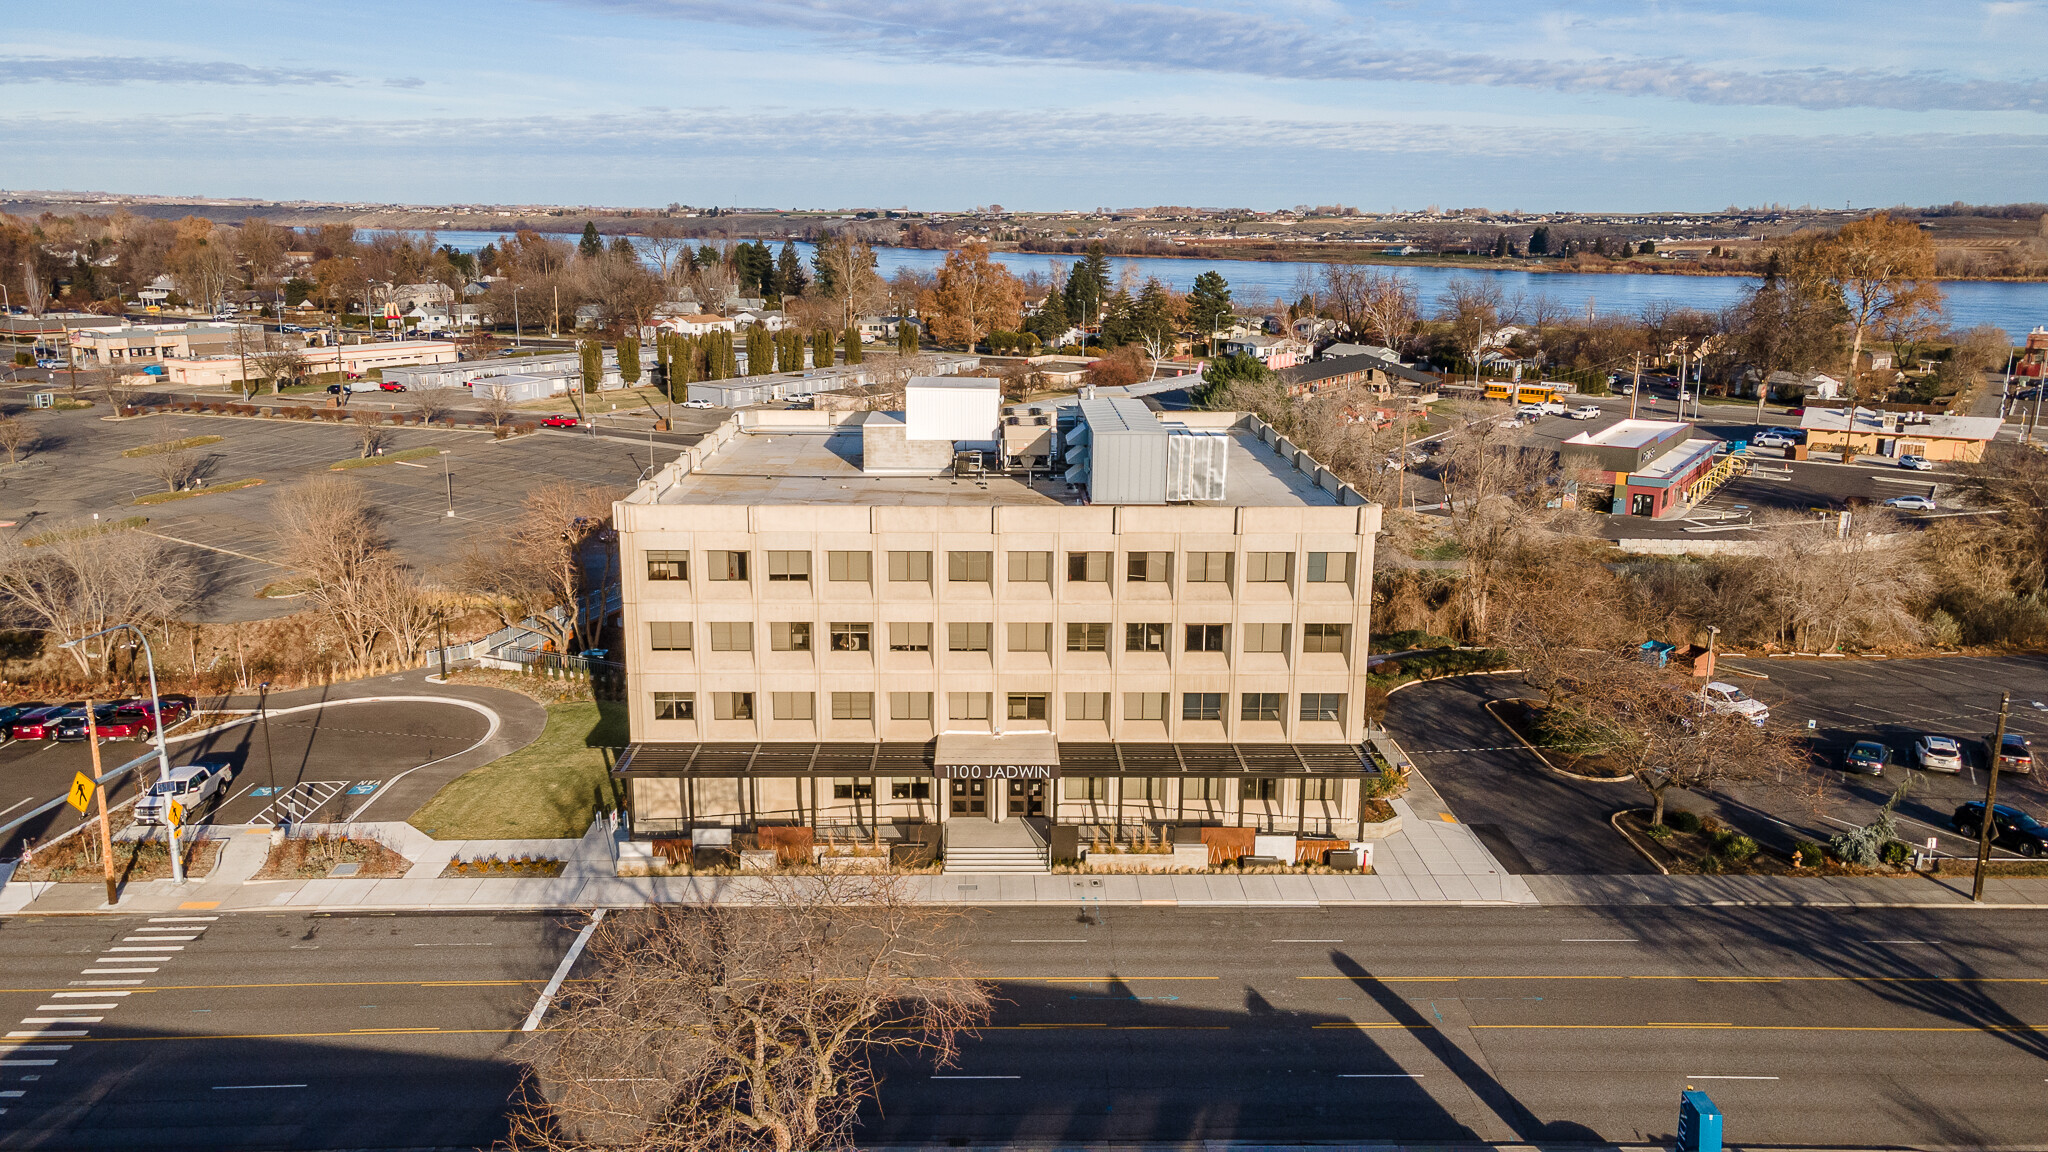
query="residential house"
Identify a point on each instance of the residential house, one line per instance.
(1275, 352)
(699, 324)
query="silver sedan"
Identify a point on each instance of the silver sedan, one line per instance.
(1938, 753)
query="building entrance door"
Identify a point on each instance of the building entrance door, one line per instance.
(1027, 797)
(970, 797)
(1642, 504)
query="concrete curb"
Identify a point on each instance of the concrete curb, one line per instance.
(1640, 850)
(1538, 754)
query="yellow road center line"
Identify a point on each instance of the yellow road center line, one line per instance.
(1769, 1027)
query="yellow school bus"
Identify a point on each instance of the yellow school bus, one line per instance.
(1522, 393)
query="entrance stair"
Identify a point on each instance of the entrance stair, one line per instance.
(985, 846)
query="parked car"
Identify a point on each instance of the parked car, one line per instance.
(51, 362)
(1916, 463)
(1626, 389)
(1912, 503)
(1728, 698)
(1868, 756)
(2015, 754)
(130, 722)
(2010, 827)
(560, 422)
(13, 712)
(1530, 412)
(72, 727)
(1775, 438)
(390, 386)
(289, 328)
(39, 723)
(698, 404)
(1585, 412)
(1936, 753)
(190, 785)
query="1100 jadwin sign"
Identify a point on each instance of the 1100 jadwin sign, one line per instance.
(996, 771)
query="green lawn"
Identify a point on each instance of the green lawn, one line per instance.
(548, 790)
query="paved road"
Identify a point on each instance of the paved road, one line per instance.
(322, 761)
(1533, 819)
(1891, 1028)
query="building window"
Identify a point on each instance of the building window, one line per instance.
(1206, 638)
(1031, 636)
(1144, 705)
(853, 705)
(1087, 705)
(1145, 567)
(1329, 567)
(665, 565)
(732, 705)
(851, 636)
(1259, 788)
(1208, 567)
(1266, 567)
(789, 566)
(910, 636)
(910, 705)
(967, 705)
(847, 788)
(971, 636)
(1322, 706)
(1086, 788)
(1201, 705)
(1264, 637)
(1200, 788)
(1324, 637)
(910, 788)
(910, 567)
(719, 565)
(848, 566)
(1087, 637)
(731, 635)
(1144, 637)
(669, 636)
(1088, 567)
(1031, 567)
(1261, 705)
(790, 705)
(791, 636)
(1027, 706)
(972, 567)
(1320, 788)
(1149, 788)
(675, 705)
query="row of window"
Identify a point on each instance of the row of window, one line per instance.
(976, 636)
(1327, 706)
(1023, 567)
(1135, 789)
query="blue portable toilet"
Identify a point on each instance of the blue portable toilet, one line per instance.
(1699, 1123)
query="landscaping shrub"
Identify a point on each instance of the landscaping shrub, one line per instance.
(1896, 853)
(1682, 820)
(1811, 855)
(1735, 846)
(1411, 639)
(1660, 832)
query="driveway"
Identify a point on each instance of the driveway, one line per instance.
(1533, 819)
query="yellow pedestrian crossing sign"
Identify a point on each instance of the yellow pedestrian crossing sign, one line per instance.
(175, 813)
(81, 792)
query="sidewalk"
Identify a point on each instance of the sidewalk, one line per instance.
(1789, 891)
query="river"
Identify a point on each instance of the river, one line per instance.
(2016, 308)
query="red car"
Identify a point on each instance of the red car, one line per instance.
(129, 722)
(561, 422)
(388, 386)
(40, 724)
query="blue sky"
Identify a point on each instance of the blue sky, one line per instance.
(1035, 104)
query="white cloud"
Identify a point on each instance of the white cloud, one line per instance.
(107, 71)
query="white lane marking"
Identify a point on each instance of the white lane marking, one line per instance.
(1689, 1077)
(459, 944)
(112, 971)
(247, 1087)
(1379, 1075)
(98, 984)
(182, 919)
(89, 995)
(7, 1049)
(44, 1034)
(1048, 941)
(134, 939)
(13, 806)
(26, 1063)
(547, 995)
(13, 1094)
(1600, 940)
(156, 948)
(1308, 941)
(75, 1007)
(977, 1077)
(1902, 941)
(61, 1020)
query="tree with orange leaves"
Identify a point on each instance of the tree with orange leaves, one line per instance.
(974, 296)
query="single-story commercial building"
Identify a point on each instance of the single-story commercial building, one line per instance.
(118, 347)
(1654, 465)
(351, 359)
(1872, 433)
(740, 391)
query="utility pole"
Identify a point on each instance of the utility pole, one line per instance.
(92, 737)
(1635, 391)
(1988, 826)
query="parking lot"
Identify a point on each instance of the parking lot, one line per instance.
(80, 470)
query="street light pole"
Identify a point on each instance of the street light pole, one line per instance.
(263, 714)
(516, 290)
(1988, 826)
(163, 758)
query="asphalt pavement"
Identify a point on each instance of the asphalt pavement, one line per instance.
(1810, 1027)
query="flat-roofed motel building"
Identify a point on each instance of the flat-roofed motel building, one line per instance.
(1085, 613)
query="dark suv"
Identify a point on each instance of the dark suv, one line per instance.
(2014, 754)
(2010, 827)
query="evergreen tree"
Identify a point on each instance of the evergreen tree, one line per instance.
(1088, 287)
(1119, 320)
(683, 369)
(590, 356)
(1208, 302)
(906, 336)
(758, 357)
(1049, 321)
(852, 344)
(1152, 315)
(629, 360)
(622, 248)
(592, 246)
(1539, 241)
(705, 258)
(822, 355)
(789, 269)
(729, 360)
(1500, 244)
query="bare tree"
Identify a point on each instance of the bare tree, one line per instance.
(1495, 488)
(535, 566)
(747, 1028)
(1471, 309)
(34, 294)
(1386, 307)
(18, 436)
(405, 607)
(327, 529)
(279, 366)
(172, 461)
(493, 402)
(76, 582)
(434, 403)
(371, 436)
